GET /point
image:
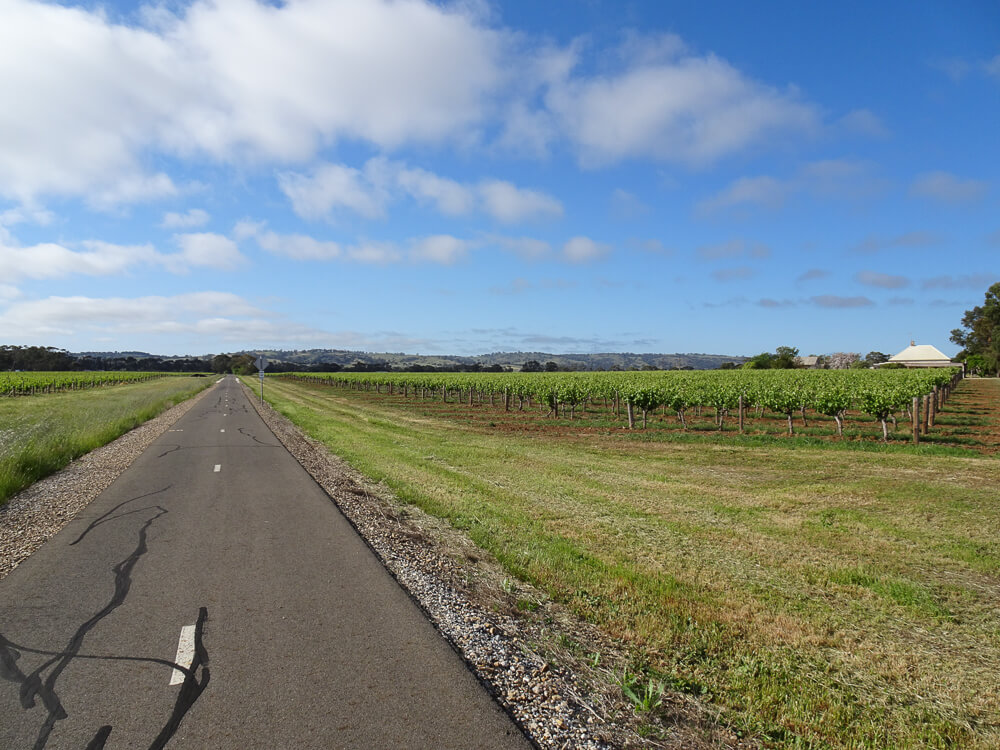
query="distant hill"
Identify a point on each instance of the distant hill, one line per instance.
(114, 355)
(514, 360)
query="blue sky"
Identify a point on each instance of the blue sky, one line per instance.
(468, 177)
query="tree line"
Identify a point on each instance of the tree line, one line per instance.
(51, 359)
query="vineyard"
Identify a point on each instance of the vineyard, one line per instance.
(729, 398)
(33, 383)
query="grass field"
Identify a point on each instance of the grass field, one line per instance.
(821, 596)
(41, 434)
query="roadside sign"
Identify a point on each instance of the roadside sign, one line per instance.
(261, 364)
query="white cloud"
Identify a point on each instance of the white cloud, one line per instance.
(584, 249)
(247, 228)
(958, 68)
(298, 246)
(9, 292)
(864, 122)
(833, 301)
(303, 247)
(966, 281)
(449, 197)
(233, 80)
(132, 188)
(626, 206)
(251, 82)
(52, 261)
(739, 273)
(195, 217)
(813, 274)
(378, 253)
(204, 249)
(49, 260)
(651, 245)
(883, 280)
(25, 214)
(68, 316)
(441, 248)
(948, 188)
(369, 191)
(331, 187)
(914, 239)
(761, 191)
(992, 67)
(842, 179)
(507, 203)
(673, 107)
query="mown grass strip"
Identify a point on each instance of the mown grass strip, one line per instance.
(820, 598)
(41, 434)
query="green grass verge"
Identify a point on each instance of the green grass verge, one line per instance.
(819, 598)
(41, 434)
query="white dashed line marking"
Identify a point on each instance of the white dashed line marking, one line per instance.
(185, 654)
(223, 429)
(175, 430)
(218, 468)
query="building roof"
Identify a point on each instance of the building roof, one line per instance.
(920, 353)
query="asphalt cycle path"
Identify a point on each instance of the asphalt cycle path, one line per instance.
(215, 597)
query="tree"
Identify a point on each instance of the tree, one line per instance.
(980, 331)
(784, 358)
(551, 366)
(843, 360)
(243, 364)
(532, 365)
(873, 359)
(763, 361)
(221, 363)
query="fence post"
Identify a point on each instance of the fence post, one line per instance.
(916, 420)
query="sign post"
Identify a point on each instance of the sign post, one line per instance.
(261, 364)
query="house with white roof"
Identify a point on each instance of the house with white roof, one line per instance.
(923, 355)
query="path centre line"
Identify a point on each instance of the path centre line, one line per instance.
(185, 654)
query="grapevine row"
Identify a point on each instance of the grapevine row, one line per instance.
(32, 383)
(879, 393)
